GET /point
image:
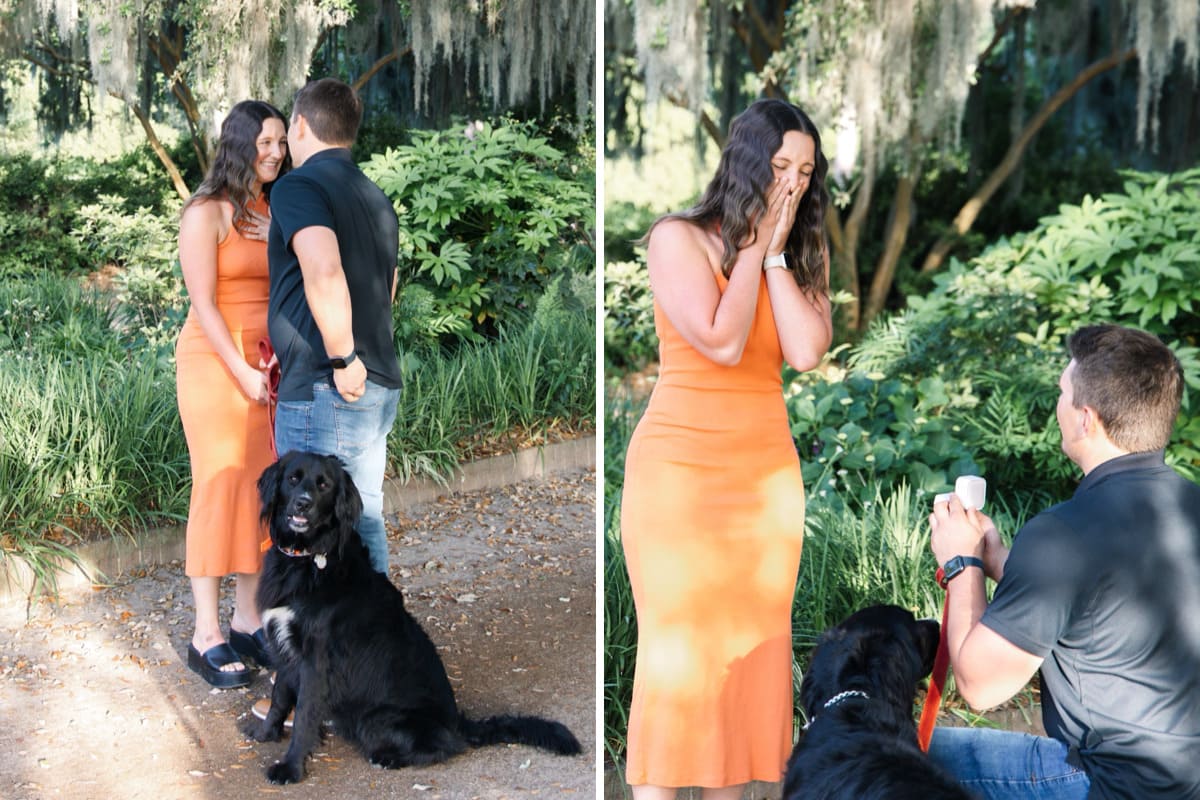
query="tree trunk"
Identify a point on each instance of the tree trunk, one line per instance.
(971, 209)
(1016, 114)
(168, 50)
(157, 146)
(894, 239)
(847, 260)
(844, 268)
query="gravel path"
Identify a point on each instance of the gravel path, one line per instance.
(98, 702)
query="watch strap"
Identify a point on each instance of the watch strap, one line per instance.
(341, 362)
(777, 261)
(954, 567)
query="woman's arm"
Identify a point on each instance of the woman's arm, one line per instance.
(681, 276)
(716, 324)
(200, 231)
(803, 318)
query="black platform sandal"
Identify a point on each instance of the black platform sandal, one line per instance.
(252, 647)
(208, 666)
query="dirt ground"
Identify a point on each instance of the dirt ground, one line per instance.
(98, 702)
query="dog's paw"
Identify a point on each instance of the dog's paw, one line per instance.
(388, 759)
(281, 773)
(260, 731)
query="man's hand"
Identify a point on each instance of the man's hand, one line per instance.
(994, 551)
(351, 381)
(954, 532)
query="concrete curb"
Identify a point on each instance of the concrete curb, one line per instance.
(111, 557)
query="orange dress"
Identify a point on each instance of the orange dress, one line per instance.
(228, 435)
(712, 523)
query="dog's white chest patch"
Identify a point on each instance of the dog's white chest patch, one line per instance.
(278, 624)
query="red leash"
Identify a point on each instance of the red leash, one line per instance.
(937, 679)
(267, 354)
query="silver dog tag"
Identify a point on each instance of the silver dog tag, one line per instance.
(319, 560)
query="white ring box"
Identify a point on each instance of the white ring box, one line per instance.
(971, 491)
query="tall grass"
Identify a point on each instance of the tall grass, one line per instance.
(90, 442)
(620, 622)
(539, 372)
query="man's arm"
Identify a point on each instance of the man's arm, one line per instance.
(328, 298)
(988, 669)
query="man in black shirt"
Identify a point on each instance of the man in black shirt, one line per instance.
(1101, 593)
(332, 251)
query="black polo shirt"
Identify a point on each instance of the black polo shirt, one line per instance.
(330, 190)
(1106, 588)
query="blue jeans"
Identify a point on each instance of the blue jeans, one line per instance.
(1006, 765)
(355, 432)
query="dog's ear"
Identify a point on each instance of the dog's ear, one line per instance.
(928, 633)
(348, 504)
(838, 663)
(268, 491)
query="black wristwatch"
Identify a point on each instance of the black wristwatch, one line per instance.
(344, 361)
(954, 567)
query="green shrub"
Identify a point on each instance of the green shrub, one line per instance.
(865, 434)
(624, 224)
(142, 243)
(630, 342)
(488, 216)
(52, 314)
(994, 330)
(620, 619)
(40, 200)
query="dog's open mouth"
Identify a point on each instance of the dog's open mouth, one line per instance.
(298, 523)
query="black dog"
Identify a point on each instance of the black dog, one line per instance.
(346, 648)
(861, 743)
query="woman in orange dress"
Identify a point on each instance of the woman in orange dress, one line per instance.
(221, 388)
(712, 512)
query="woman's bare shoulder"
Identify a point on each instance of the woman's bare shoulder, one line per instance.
(681, 237)
(208, 213)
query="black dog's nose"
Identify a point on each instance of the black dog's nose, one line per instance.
(302, 502)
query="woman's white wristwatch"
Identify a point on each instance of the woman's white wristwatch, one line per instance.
(778, 261)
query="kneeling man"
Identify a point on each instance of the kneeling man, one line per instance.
(1101, 593)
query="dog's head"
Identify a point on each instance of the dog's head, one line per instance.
(310, 504)
(881, 650)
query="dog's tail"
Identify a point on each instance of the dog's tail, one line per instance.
(508, 729)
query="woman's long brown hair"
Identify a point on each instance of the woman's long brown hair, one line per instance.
(232, 171)
(737, 195)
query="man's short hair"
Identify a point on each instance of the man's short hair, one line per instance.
(332, 110)
(1132, 380)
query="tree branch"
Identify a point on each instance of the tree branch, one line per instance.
(1001, 31)
(706, 121)
(380, 64)
(167, 51)
(772, 36)
(157, 146)
(971, 209)
(155, 143)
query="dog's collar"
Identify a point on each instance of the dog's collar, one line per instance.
(836, 699)
(318, 559)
